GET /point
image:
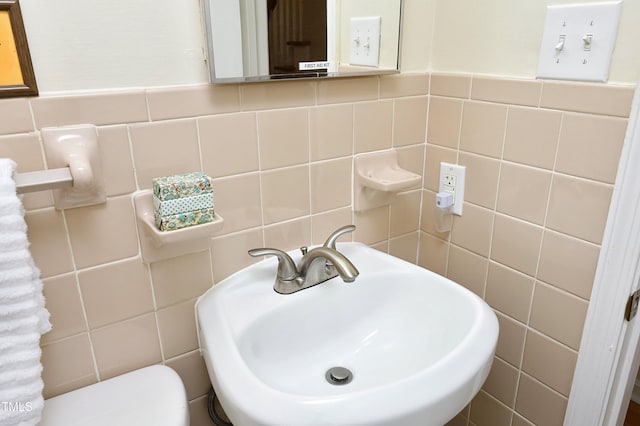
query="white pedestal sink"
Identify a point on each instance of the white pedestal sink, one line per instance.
(418, 346)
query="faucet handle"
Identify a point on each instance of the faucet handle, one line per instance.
(331, 241)
(286, 266)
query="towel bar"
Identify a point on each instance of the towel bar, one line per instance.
(43, 180)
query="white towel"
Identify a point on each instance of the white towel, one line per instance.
(23, 317)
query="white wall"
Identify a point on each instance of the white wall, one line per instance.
(418, 20)
(105, 44)
(90, 45)
(502, 37)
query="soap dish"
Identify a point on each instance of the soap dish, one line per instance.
(158, 245)
(378, 177)
(389, 179)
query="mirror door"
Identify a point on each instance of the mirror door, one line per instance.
(264, 40)
(297, 32)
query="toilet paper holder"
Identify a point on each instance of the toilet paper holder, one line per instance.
(75, 172)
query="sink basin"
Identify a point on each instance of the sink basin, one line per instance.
(418, 346)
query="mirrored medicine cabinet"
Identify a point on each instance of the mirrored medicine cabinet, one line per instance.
(272, 40)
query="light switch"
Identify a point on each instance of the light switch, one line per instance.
(365, 41)
(578, 41)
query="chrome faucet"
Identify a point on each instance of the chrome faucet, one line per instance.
(316, 266)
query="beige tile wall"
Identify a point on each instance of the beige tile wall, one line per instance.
(541, 161)
(540, 157)
(281, 157)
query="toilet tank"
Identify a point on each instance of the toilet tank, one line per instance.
(150, 396)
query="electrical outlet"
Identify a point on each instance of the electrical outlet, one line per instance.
(452, 180)
(449, 182)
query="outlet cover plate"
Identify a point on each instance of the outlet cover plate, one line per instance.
(452, 180)
(365, 41)
(578, 41)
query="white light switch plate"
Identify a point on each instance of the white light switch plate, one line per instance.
(578, 41)
(365, 41)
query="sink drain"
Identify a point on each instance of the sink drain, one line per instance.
(338, 376)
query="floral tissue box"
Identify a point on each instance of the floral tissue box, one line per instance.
(182, 200)
(181, 185)
(182, 220)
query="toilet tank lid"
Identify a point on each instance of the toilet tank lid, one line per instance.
(153, 395)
